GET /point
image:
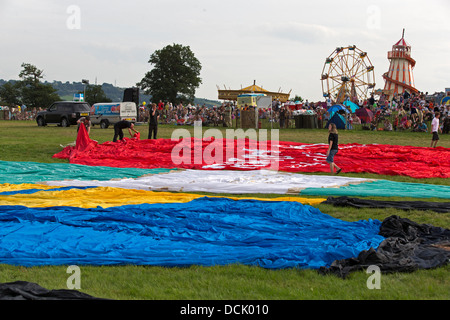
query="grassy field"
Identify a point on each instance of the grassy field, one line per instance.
(24, 141)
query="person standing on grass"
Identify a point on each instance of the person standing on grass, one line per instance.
(153, 122)
(434, 129)
(333, 147)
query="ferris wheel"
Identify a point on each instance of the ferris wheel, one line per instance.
(348, 73)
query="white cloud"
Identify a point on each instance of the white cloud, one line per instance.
(298, 32)
(278, 44)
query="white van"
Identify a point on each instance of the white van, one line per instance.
(106, 114)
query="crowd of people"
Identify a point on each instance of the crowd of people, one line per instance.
(402, 112)
(180, 114)
(19, 113)
(408, 112)
(185, 114)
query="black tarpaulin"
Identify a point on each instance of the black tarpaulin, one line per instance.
(408, 246)
(441, 207)
(23, 290)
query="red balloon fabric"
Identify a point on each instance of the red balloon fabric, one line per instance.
(245, 154)
(83, 139)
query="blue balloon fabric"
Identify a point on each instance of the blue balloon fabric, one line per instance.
(205, 231)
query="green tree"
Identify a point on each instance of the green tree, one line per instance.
(33, 93)
(10, 94)
(297, 98)
(39, 95)
(95, 94)
(175, 75)
(30, 74)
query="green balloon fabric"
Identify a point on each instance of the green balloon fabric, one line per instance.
(384, 188)
(16, 172)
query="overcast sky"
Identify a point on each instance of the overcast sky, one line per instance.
(281, 44)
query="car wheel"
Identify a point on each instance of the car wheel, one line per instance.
(40, 122)
(104, 124)
(64, 122)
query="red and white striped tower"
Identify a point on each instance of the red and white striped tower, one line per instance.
(400, 76)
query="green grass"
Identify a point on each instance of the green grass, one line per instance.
(24, 141)
(234, 282)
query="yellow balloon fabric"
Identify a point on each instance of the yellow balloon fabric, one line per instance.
(6, 187)
(111, 197)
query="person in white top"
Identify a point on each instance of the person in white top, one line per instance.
(434, 129)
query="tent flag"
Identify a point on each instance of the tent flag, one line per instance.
(204, 231)
(245, 154)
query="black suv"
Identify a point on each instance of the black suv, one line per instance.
(63, 113)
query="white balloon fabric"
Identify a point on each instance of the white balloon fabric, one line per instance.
(222, 181)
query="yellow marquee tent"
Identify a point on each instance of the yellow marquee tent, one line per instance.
(233, 94)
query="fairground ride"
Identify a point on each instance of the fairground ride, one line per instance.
(348, 74)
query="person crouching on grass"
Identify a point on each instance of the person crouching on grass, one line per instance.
(87, 123)
(333, 147)
(118, 129)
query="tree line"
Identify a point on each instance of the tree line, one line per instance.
(174, 77)
(33, 93)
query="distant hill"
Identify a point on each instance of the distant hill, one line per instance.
(66, 90)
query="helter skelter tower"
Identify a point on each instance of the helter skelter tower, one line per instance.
(400, 75)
